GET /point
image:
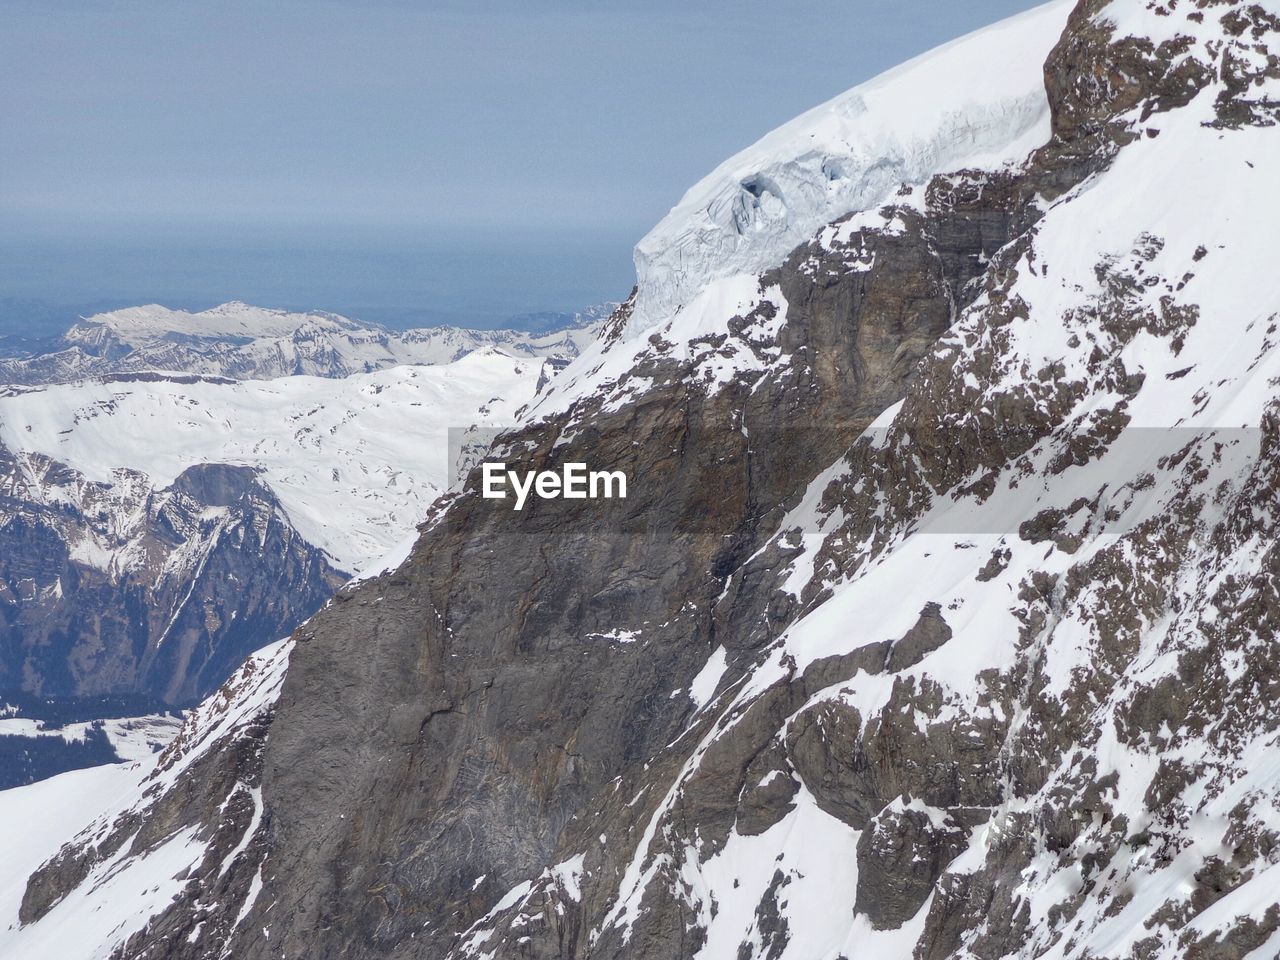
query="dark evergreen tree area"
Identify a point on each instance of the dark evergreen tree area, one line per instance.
(25, 759)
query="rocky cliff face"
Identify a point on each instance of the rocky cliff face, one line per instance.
(939, 621)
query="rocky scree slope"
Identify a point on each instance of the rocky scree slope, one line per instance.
(941, 622)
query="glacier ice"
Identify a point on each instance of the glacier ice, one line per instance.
(975, 102)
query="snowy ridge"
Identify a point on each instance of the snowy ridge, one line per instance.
(978, 101)
(975, 102)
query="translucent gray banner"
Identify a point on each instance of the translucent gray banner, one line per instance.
(1069, 484)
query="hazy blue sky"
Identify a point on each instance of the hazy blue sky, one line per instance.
(441, 159)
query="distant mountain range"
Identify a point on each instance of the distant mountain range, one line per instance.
(29, 323)
(176, 486)
(255, 343)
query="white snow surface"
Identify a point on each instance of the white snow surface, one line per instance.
(40, 818)
(354, 461)
(978, 101)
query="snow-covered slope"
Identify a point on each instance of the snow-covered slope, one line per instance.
(39, 819)
(355, 461)
(125, 886)
(976, 102)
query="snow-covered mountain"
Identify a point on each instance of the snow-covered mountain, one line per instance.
(156, 526)
(939, 623)
(254, 343)
(354, 462)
